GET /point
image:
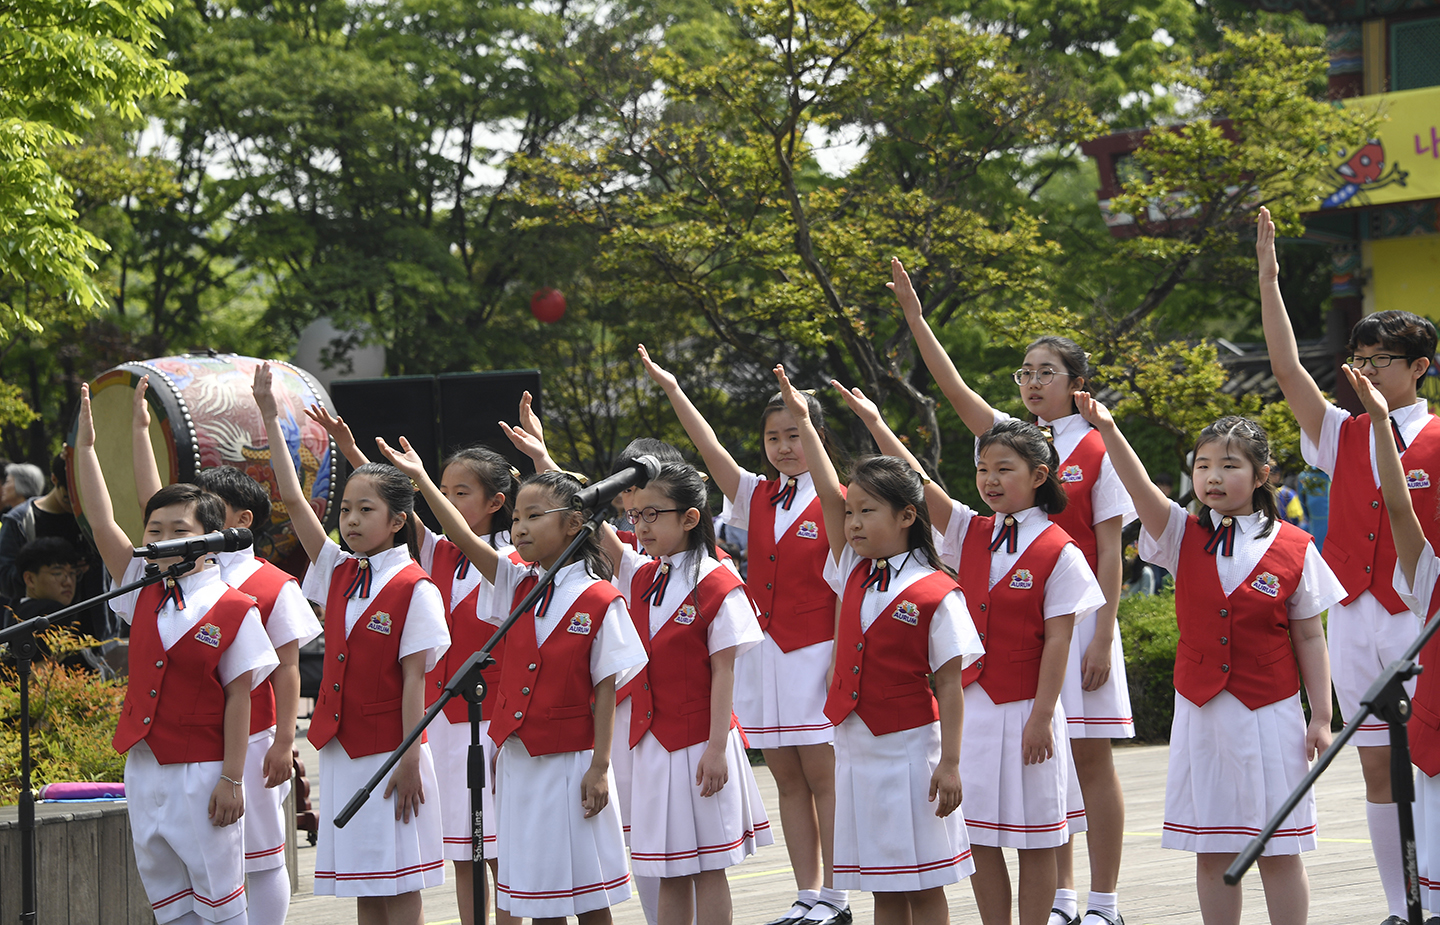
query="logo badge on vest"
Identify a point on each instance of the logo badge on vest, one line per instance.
(1267, 584)
(907, 612)
(809, 530)
(1072, 474)
(1022, 579)
(579, 624)
(210, 635)
(686, 614)
(1417, 478)
(380, 623)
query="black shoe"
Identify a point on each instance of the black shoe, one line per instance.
(1396, 920)
(1103, 916)
(1068, 919)
(841, 916)
(791, 916)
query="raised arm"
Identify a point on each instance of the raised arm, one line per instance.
(822, 470)
(868, 412)
(340, 432)
(1151, 504)
(1404, 524)
(481, 554)
(529, 437)
(110, 540)
(142, 454)
(973, 410)
(1304, 396)
(303, 518)
(723, 467)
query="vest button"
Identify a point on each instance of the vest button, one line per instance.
(768, 586)
(1374, 503)
(854, 695)
(146, 721)
(645, 687)
(647, 714)
(337, 717)
(525, 690)
(1224, 640)
(772, 557)
(439, 683)
(1367, 570)
(518, 714)
(160, 664)
(1225, 668)
(855, 669)
(340, 657)
(337, 687)
(532, 666)
(153, 694)
(982, 637)
(1224, 613)
(982, 607)
(859, 646)
(1372, 536)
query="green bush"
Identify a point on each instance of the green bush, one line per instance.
(1150, 634)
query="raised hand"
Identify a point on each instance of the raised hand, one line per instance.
(797, 406)
(865, 409)
(264, 393)
(525, 441)
(1092, 410)
(663, 378)
(140, 408)
(407, 461)
(1370, 396)
(901, 286)
(530, 421)
(85, 427)
(1269, 265)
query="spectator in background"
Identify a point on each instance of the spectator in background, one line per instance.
(1287, 499)
(1314, 488)
(22, 481)
(48, 568)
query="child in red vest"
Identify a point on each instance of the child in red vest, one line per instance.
(780, 684)
(696, 809)
(897, 745)
(1096, 695)
(1371, 626)
(289, 623)
(561, 849)
(1248, 590)
(1417, 579)
(481, 484)
(197, 649)
(384, 628)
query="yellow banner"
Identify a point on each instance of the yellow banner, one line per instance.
(1401, 165)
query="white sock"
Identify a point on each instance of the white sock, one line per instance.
(1384, 820)
(1103, 902)
(268, 895)
(649, 890)
(840, 899)
(1067, 902)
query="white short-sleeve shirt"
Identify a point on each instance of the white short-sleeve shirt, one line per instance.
(952, 632)
(1317, 591)
(291, 619)
(736, 513)
(1411, 419)
(1427, 573)
(425, 627)
(250, 651)
(735, 625)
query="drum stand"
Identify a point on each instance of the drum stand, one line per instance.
(468, 682)
(21, 638)
(1388, 700)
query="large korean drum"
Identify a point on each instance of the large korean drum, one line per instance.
(202, 414)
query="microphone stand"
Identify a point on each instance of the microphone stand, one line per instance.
(467, 682)
(21, 637)
(1388, 700)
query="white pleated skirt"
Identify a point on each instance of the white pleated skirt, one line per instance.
(622, 758)
(375, 854)
(1427, 838)
(675, 832)
(780, 696)
(887, 836)
(1231, 768)
(1009, 804)
(264, 819)
(1103, 713)
(450, 748)
(553, 861)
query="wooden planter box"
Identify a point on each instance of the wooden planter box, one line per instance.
(84, 866)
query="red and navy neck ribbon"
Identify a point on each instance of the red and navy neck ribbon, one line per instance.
(543, 604)
(786, 496)
(879, 577)
(462, 568)
(1399, 440)
(360, 585)
(1222, 541)
(1009, 535)
(656, 592)
(172, 596)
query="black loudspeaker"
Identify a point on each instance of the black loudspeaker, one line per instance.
(393, 407)
(472, 404)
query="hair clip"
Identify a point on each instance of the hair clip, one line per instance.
(811, 392)
(514, 473)
(704, 476)
(578, 476)
(414, 486)
(1049, 434)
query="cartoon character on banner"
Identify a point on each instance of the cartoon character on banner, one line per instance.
(1363, 171)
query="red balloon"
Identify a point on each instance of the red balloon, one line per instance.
(547, 305)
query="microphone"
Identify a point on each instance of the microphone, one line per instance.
(634, 473)
(194, 546)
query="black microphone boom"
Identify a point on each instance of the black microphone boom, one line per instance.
(227, 540)
(636, 473)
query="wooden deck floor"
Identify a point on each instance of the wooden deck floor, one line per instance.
(1156, 886)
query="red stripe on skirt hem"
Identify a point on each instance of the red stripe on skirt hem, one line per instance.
(266, 853)
(161, 903)
(911, 869)
(560, 894)
(703, 849)
(1235, 830)
(216, 903)
(380, 874)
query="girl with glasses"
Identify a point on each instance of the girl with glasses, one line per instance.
(1096, 696)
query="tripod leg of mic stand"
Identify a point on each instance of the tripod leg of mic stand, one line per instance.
(475, 768)
(1402, 791)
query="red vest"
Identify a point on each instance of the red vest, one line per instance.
(1016, 640)
(884, 674)
(467, 634)
(1079, 473)
(1359, 547)
(679, 662)
(1425, 730)
(551, 683)
(175, 700)
(263, 587)
(364, 715)
(802, 603)
(1239, 643)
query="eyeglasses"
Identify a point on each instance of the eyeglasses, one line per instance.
(1042, 376)
(1378, 361)
(649, 515)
